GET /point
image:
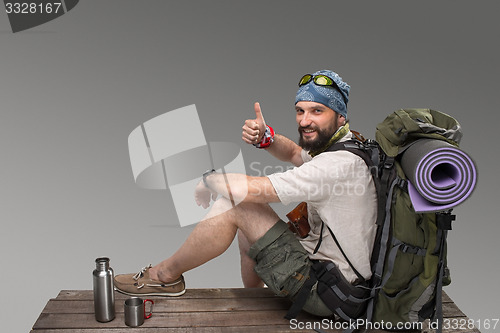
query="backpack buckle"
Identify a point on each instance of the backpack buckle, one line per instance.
(444, 219)
(403, 184)
(389, 162)
(319, 269)
(410, 249)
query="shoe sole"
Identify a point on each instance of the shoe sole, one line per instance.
(180, 293)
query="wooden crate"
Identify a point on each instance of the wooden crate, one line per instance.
(233, 310)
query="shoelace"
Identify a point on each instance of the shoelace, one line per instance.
(140, 274)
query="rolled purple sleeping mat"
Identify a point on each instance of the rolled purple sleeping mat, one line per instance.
(440, 175)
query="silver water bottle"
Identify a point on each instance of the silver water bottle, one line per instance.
(104, 296)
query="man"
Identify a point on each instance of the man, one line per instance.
(336, 186)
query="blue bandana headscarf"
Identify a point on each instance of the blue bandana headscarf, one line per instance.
(328, 96)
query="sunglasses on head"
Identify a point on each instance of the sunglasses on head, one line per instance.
(321, 80)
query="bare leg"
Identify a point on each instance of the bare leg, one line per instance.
(212, 236)
(248, 275)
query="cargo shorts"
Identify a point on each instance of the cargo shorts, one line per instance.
(284, 265)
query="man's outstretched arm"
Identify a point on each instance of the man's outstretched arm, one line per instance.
(235, 187)
(286, 150)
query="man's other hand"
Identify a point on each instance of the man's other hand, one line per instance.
(203, 194)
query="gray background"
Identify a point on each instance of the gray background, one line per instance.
(73, 89)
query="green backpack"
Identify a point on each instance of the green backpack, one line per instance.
(410, 264)
(409, 254)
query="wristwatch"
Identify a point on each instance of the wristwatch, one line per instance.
(206, 174)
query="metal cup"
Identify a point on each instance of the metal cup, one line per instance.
(135, 311)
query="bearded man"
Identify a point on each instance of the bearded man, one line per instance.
(336, 187)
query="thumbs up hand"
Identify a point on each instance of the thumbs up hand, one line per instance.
(254, 129)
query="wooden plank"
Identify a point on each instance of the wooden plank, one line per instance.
(199, 310)
(176, 305)
(267, 320)
(446, 298)
(451, 310)
(249, 328)
(190, 293)
(238, 329)
(171, 320)
(195, 293)
(234, 329)
(180, 304)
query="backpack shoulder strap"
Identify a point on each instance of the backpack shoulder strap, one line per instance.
(356, 147)
(379, 165)
(384, 174)
(364, 151)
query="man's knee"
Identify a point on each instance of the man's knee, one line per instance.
(223, 205)
(244, 215)
(258, 211)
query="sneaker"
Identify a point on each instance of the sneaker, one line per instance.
(140, 284)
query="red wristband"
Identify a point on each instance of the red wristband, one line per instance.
(267, 139)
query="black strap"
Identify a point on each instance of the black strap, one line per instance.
(444, 219)
(357, 148)
(301, 298)
(438, 315)
(320, 238)
(384, 187)
(443, 222)
(370, 155)
(362, 279)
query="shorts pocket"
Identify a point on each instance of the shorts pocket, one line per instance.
(280, 268)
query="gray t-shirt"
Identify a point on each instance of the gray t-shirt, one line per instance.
(339, 190)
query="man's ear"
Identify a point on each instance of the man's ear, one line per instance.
(341, 121)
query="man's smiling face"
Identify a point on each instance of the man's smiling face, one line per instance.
(317, 123)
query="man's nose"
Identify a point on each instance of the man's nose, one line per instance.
(304, 120)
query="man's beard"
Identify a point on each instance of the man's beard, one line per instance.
(323, 137)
